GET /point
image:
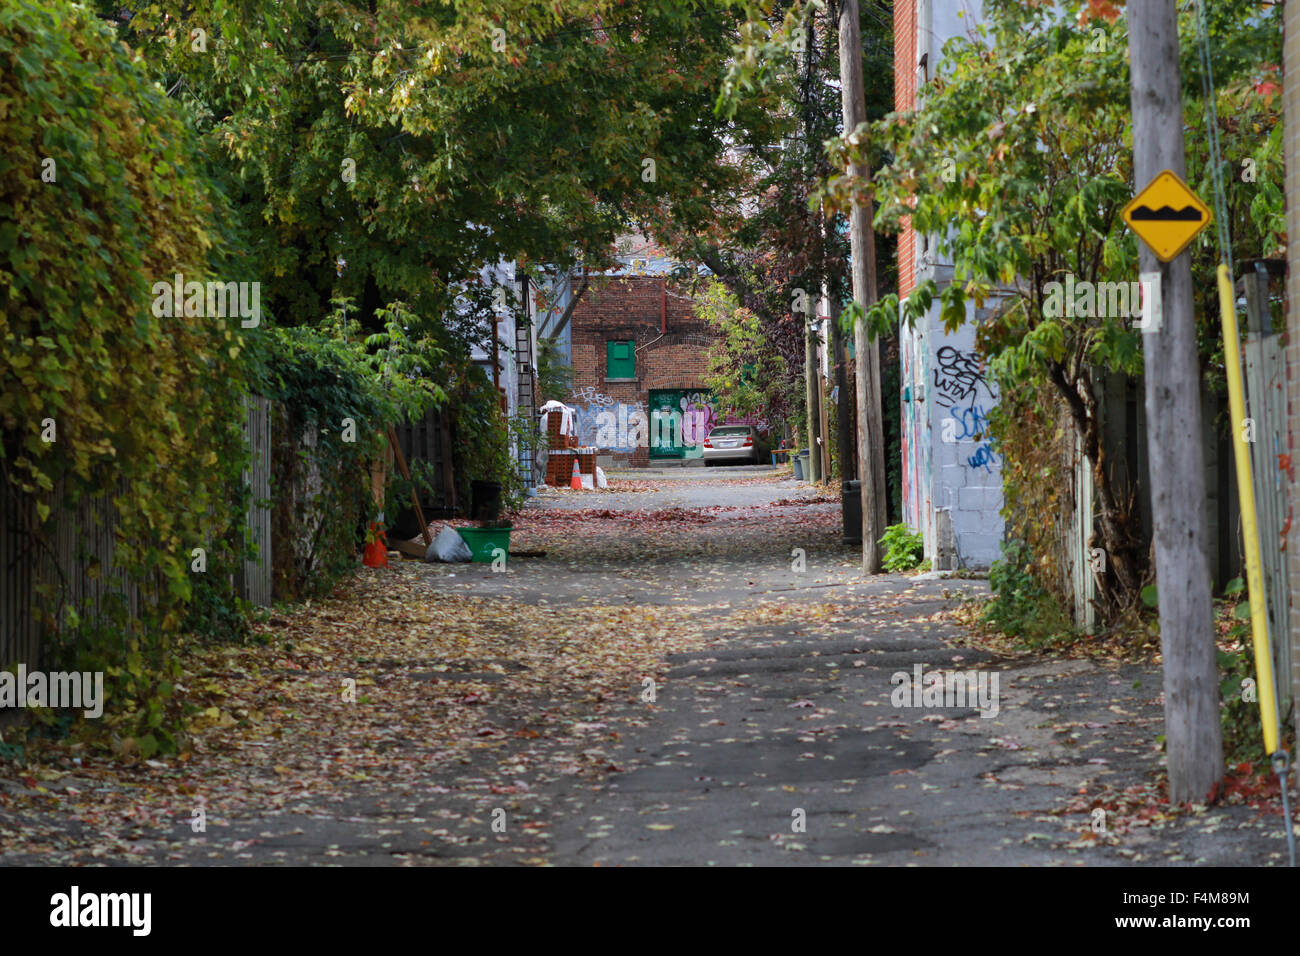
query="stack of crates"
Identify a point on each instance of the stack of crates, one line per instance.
(562, 452)
(556, 441)
(559, 467)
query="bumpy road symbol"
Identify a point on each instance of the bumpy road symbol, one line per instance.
(1167, 215)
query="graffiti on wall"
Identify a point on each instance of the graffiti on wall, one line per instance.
(915, 447)
(606, 423)
(680, 421)
(698, 418)
(959, 377)
(589, 395)
(972, 425)
(960, 387)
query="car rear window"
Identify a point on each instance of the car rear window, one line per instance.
(730, 430)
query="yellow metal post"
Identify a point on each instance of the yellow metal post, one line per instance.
(1249, 525)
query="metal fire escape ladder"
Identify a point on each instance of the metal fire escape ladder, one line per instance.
(525, 404)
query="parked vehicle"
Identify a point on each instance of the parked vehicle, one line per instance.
(732, 443)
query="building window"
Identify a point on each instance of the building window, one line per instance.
(620, 361)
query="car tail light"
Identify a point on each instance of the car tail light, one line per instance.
(749, 442)
(708, 443)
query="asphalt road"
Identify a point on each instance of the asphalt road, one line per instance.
(777, 739)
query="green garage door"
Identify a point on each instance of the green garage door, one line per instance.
(665, 431)
(670, 434)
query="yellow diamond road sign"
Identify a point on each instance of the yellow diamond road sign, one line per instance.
(1167, 215)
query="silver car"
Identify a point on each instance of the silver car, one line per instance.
(732, 443)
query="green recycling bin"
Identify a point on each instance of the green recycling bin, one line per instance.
(483, 542)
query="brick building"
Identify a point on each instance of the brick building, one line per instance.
(952, 486)
(639, 353)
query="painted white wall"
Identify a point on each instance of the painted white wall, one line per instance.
(502, 274)
(948, 463)
(965, 474)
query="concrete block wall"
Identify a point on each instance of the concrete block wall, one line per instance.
(966, 475)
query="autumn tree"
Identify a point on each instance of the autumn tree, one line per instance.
(774, 247)
(385, 150)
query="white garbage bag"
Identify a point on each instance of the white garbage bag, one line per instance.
(448, 546)
(600, 478)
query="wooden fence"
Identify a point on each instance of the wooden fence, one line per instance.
(254, 585)
(74, 564)
(75, 561)
(1266, 412)
(429, 440)
(19, 637)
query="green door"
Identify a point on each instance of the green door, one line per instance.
(666, 423)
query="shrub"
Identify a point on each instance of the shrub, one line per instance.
(102, 195)
(1021, 607)
(904, 548)
(1242, 732)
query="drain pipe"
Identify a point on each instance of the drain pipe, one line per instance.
(663, 317)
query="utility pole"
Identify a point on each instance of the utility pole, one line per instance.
(871, 436)
(1193, 735)
(843, 407)
(823, 424)
(814, 391)
(843, 416)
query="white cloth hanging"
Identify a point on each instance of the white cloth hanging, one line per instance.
(568, 420)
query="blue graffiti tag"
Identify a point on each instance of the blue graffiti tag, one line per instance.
(972, 421)
(983, 458)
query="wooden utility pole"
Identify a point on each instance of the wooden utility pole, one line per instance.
(843, 415)
(871, 436)
(1193, 736)
(813, 389)
(823, 425)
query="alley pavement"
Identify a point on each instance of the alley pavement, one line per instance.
(767, 724)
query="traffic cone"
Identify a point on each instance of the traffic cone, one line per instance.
(376, 553)
(576, 481)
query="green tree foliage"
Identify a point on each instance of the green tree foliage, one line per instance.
(773, 246)
(386, 150)
(745, 374)
(392, 152)
(133, 396)
(101, 196)
(554, 375)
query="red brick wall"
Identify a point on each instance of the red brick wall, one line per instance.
(629, 309)
(905, 99)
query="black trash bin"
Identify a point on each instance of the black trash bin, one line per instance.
(405, 526)
(851, 500)
(485, 500)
